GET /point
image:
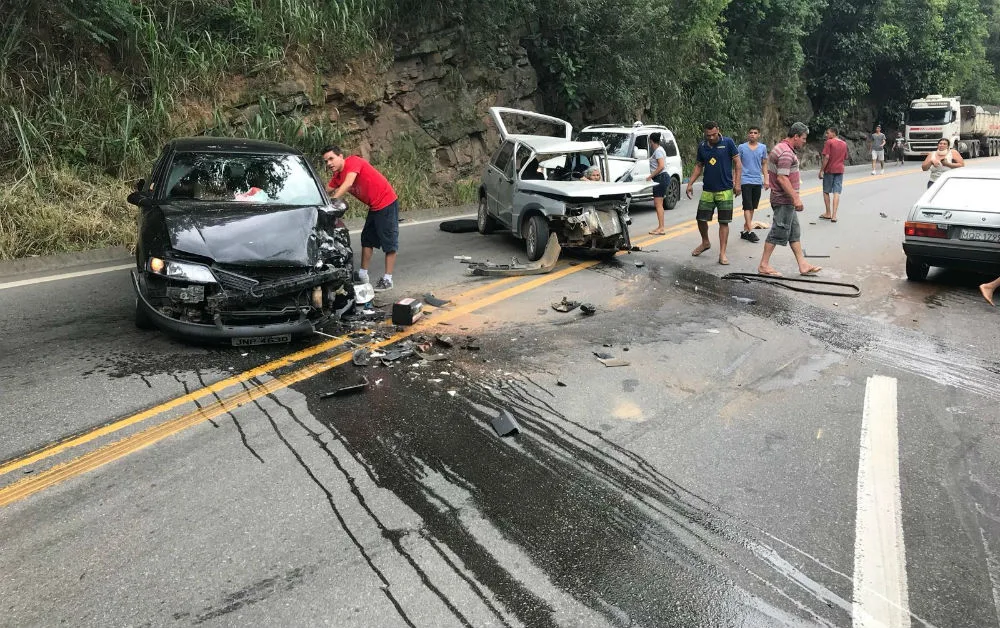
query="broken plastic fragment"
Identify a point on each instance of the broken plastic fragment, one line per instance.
(588, 308)
(430, 299)
(347, 390)
(504, 424)
(744, 300)
(602, 355)
(432, 357)
(614, 362)
(444, 341)
(640, 264)
(362, 357)
(565, 305)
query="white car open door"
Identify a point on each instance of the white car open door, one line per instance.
(498, 113)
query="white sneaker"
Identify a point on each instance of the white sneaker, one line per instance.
(873, 172)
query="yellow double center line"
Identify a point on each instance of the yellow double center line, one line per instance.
(130, 444)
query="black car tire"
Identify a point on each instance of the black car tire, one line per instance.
(142, 318)
(484, 222)
(916, 269)
(673, 194)
(536, 235)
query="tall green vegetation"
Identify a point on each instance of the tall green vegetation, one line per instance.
(91, 88)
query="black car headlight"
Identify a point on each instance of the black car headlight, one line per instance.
(182, 271)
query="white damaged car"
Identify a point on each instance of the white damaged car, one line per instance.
(534, 185)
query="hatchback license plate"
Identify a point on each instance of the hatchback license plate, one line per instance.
(251, 341)
(979, 235)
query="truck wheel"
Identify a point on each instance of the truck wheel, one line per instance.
(916, 269)
(536, 234)
(673, 194)
(484, 222)
(142, 319)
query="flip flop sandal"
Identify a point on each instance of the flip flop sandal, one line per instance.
(826, 218)
(812, 272)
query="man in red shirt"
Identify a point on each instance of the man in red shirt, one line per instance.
(355, 175)
(832, 172)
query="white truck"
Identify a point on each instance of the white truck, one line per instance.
(972, 130)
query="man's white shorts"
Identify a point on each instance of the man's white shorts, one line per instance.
(878, 155)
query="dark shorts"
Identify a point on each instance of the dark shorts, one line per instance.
(833, 183)
(784, 225)
(662, 181)
(382, 229)
(712, 201)
(751, 196)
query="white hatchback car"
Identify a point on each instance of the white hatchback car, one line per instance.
(628, 154)
(955, 224)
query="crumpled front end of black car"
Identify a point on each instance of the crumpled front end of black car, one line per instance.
(247, 303)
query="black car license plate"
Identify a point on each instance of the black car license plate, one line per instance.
(979, 235)
(251, 341)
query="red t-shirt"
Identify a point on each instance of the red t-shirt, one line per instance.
(370, 186)
(836, 151)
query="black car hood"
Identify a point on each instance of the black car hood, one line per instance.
(249, 236)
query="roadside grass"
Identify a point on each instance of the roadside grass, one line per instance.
(65, 213)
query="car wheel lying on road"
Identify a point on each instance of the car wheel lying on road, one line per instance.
(916, 269)
(536, 234)
(484, 222)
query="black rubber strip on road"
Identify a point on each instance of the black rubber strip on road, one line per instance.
(459, 225)
(780, 281)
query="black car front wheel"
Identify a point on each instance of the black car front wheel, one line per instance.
(142, 318)
(536, 235)
(916, 269)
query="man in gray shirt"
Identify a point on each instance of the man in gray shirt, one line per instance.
(877, 145)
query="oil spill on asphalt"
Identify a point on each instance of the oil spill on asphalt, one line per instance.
(599, 521)
(861, 338)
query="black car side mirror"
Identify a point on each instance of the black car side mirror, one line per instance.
(140, 185)
(138, 199)
(337, 208)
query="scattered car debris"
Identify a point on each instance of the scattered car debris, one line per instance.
(565, 305)
(471, 344)
(430, 299)
(452, 392)
(432, 357)
(602, 355)
(406, 311)
(560, 384)
(504, 424)
(883, 214)
(362, 357)
(398, 353)
(436, 380)
(544, 265)
(347, 390)
(589, 309)
(444, 341)
(463, 258)
(640, 264)
(744, 300)
(613, 362)
(607, 344)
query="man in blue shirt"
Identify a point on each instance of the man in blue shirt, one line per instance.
(753, 179)
(719, 159)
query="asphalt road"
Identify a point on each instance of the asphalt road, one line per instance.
(798, 460)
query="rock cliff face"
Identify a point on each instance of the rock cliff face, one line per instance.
(434, 95)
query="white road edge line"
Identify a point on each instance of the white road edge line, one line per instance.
(80, 273)
(108, 269)
(881, 598)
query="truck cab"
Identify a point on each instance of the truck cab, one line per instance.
(972, 130)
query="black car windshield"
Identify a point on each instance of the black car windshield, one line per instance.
(616, 143)
(242, 178)
(930, 116)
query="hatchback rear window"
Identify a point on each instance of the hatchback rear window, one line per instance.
(968, 194)
(242, 178)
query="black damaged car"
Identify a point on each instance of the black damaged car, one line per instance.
(238, 242)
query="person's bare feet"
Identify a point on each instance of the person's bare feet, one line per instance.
(809, 271)
(987, 292)
(769, 271)
(724, 260)
(701, 248)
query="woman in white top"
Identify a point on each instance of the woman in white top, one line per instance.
(658, 173)
(942, 159)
